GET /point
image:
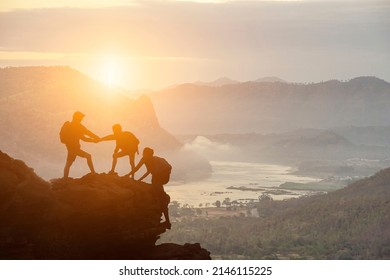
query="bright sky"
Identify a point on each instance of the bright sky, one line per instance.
(6, 5)
(34, 4)
(153, 44)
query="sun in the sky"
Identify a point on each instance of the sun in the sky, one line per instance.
(111, 71)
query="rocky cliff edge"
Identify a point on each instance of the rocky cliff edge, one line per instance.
(94, 217)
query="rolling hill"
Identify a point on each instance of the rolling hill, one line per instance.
(351, 223)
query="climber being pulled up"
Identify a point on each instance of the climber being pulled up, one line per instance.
(160, 170)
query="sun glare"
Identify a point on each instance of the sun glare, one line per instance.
(111, 72)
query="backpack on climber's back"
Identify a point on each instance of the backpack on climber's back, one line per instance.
(131, 140)
(161, 170)
(66, 132)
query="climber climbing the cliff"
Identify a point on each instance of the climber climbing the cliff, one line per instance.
(126, 145)
(161, 171)
(71, 133)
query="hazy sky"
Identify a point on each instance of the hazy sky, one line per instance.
(152, 44)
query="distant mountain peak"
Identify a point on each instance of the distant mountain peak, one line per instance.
(270, 79)
(367, 79)
(223, 81)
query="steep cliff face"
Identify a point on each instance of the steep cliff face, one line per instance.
(94, 217)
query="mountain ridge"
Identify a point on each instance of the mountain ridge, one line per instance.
(270, 79)
(225, 81)
(273, 107)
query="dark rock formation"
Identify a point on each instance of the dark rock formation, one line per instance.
(178, 252)
(94, 217)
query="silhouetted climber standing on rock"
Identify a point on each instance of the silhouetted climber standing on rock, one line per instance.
(161, 171)
(126, 145)
(71, 133)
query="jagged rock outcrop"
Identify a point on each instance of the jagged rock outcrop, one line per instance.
(94, 217)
